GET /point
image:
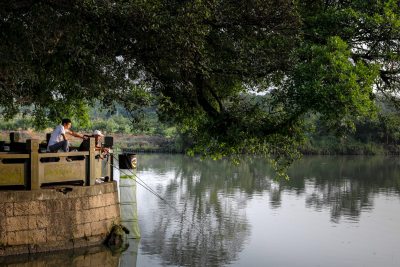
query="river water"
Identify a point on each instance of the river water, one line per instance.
(333, 211)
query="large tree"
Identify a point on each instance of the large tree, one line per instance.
(235, 75)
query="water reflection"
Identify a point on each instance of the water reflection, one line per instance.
(90, 257)
(345, 185)
(208, 227)
(211, 226)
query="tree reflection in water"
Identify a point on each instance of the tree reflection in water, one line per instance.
(210, 226)
(346, 185)
(211, 196)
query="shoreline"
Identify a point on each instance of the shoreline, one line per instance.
(162, 144)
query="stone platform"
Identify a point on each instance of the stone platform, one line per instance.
(55, 219)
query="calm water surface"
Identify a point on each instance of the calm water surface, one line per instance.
(334, 211)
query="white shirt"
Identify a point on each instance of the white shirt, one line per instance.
(56, 135)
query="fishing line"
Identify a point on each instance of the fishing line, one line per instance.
(152, 191)
(148, 188)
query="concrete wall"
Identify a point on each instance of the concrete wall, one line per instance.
(47, 219)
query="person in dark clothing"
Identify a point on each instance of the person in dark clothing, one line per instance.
(85, 145)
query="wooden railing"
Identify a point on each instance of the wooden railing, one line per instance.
(33, 169)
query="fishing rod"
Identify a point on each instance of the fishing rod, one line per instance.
(152, 191)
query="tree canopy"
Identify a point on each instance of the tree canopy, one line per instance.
(234, 75)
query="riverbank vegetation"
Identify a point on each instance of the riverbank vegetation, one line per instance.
(369, 136)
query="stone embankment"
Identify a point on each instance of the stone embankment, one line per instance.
(56, 219)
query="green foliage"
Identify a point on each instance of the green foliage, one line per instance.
(331, 84)
(18, 123)
(232, 76)
(370, 136)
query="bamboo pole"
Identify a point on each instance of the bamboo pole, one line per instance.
(92, 167)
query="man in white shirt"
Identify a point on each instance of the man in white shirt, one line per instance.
(58, 139)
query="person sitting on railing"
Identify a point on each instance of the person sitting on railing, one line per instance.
(58, 139)
(85, 145)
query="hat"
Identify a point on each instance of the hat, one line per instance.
(97, 132)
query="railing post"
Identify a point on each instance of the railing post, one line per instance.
(12, 137)
(92, 167)
(33, 147)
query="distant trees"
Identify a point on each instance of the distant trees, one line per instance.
(203, 62)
